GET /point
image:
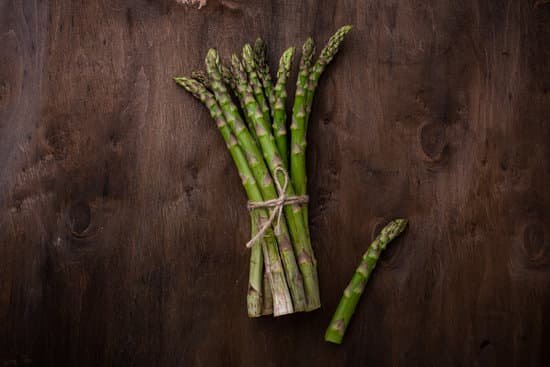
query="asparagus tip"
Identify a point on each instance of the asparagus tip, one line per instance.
(191, 85)
(247, 50)
(212, 58)
(289, 52)
(260, 48)
(179, 80)
(393, 229)
(308, 49)
(287, 57)
(248, 55)
(399, 225)
(309, 46)
(346, 28)
(333, 44)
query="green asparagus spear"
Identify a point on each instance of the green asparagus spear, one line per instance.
(267, 308)
(229, 80)
(352, 293)
(260, 57)
(278, 110)
(255, 297)
(302, 106)
(252, 70)
(282, 303)
(327, 54)
(297, 127)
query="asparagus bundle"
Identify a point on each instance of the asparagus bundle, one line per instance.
(249, 108)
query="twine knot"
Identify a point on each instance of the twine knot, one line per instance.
(277, 205)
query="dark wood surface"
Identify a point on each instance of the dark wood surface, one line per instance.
(122, 219)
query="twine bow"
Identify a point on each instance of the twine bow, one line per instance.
(278, 205)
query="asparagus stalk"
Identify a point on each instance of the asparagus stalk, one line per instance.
(278, 109)
(354, 290)
(252, 71)
(267, 308)
(282, 303)
(303, 104)
(276, 94)
(297, 127)
(255, 297)
(229, 80)
(327, 54)
(260, 57)
(294, 215)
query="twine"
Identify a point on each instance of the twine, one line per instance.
(277, 204)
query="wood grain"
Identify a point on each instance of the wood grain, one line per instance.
(122, 220)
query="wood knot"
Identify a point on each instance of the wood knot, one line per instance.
(484, 344)
(79, 216)
(327, 118)
(433, 141)
(193, 169)
(534, 249)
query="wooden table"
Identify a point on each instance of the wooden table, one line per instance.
(122, 219)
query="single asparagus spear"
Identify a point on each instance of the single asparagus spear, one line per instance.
(294, 215)
(352, 293)
(282, 302)
(260, 57)
(327, 54)
(297, 127)
(278, 110)
(255, 297)
(300, 124)
(252, 71)
(267, 308)
(229, 80)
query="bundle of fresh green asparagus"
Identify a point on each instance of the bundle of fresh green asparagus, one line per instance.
(249, 108)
